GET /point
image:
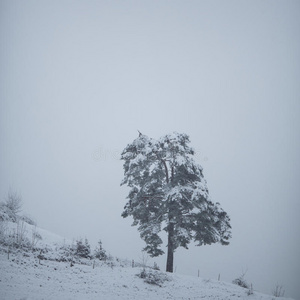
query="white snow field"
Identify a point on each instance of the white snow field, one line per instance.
(23, 276)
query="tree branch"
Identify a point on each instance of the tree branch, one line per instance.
(166, 170)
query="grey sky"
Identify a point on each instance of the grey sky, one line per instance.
(78, 78)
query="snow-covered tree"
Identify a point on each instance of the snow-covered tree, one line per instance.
(168, 192)
(100, 253)
(83, 249)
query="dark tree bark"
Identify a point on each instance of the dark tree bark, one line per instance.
(170, 258)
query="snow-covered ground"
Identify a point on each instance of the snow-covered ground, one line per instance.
(23, 276)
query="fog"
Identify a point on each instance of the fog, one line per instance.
(79, 78)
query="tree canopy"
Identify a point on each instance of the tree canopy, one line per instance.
(168, 192)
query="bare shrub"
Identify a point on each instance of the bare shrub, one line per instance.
(278, 291)
(20, 237)
(35, 237)
(240, 281)
(250, 291)
(14, 201)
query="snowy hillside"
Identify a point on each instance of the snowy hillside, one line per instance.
(47, 240)
(27, 275)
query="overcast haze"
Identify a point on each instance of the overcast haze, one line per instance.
(79, 78)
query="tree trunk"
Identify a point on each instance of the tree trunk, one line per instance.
(170, 258)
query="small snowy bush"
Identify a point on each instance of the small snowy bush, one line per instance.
(156, 267)
(153, 277)
(240, 281)
(65, 253)
(83, 249)
(3, 230)
(6, 214)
